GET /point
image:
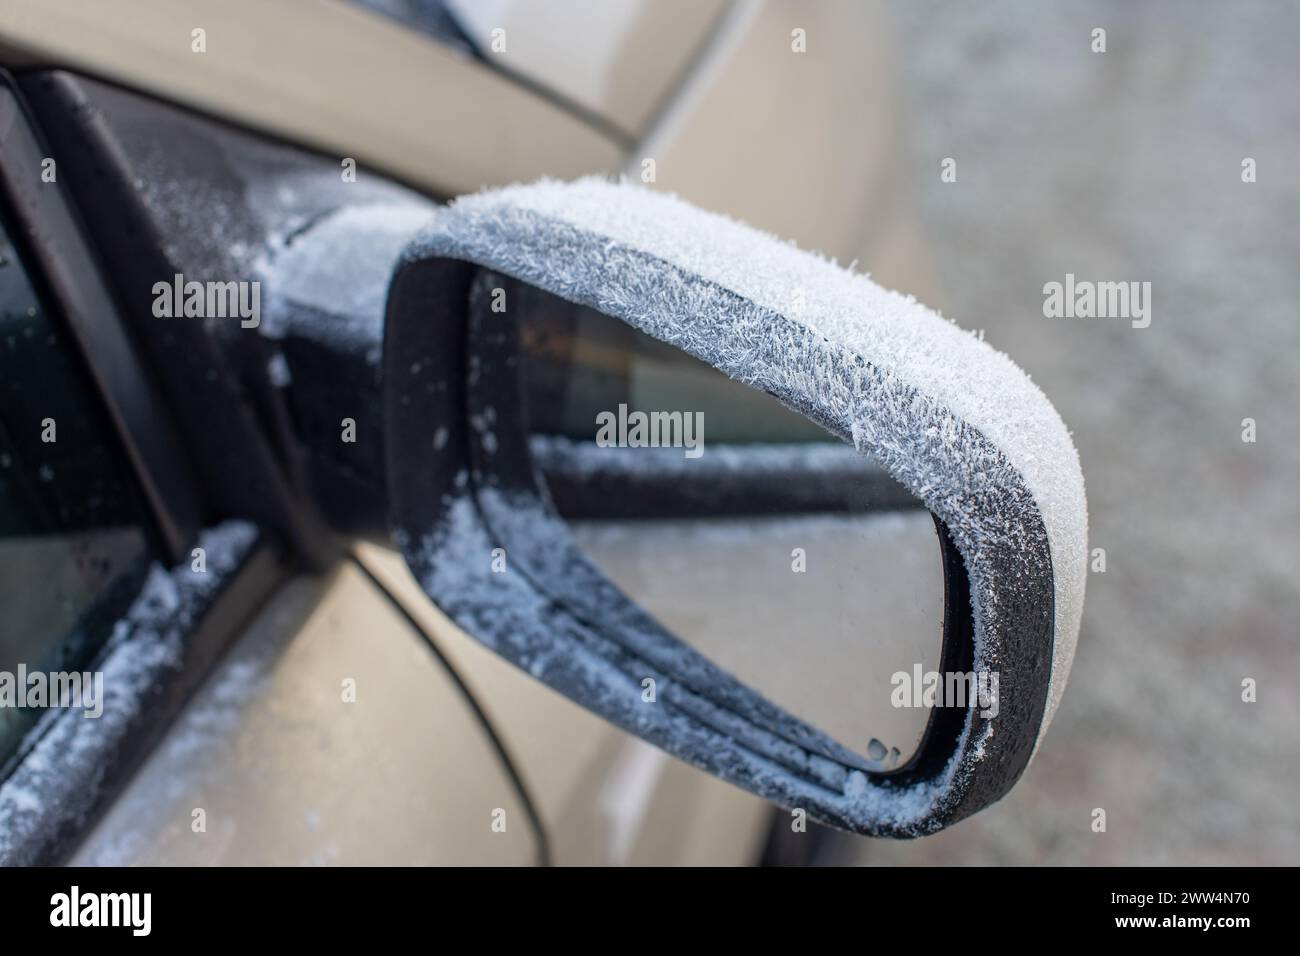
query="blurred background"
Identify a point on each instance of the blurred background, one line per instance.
(1127, 165)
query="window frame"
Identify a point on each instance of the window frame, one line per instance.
(66, 276)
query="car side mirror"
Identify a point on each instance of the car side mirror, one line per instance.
(948, 418)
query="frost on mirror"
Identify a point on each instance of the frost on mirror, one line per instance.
(751, 533)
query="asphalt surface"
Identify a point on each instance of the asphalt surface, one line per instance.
(1126, 166)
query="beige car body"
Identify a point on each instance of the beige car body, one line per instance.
(405, 774)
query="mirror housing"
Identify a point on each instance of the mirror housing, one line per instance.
(951, 419)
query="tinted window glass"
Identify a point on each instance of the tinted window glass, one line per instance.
(73, 549)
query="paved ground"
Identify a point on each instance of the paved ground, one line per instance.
(1127, 166)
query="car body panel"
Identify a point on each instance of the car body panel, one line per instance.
(801, 144)
(323, 73)
(283, 768)
(288, 772)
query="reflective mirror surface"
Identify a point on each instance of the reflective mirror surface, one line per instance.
(748, 531)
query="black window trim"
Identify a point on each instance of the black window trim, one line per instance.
(43, 224)
(45, 227)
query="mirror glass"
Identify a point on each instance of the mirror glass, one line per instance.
(751, 533)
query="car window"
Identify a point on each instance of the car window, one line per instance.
(73, 542)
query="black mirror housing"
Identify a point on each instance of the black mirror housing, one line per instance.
(949, 418)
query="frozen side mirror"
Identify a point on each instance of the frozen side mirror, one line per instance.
(493, 486)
